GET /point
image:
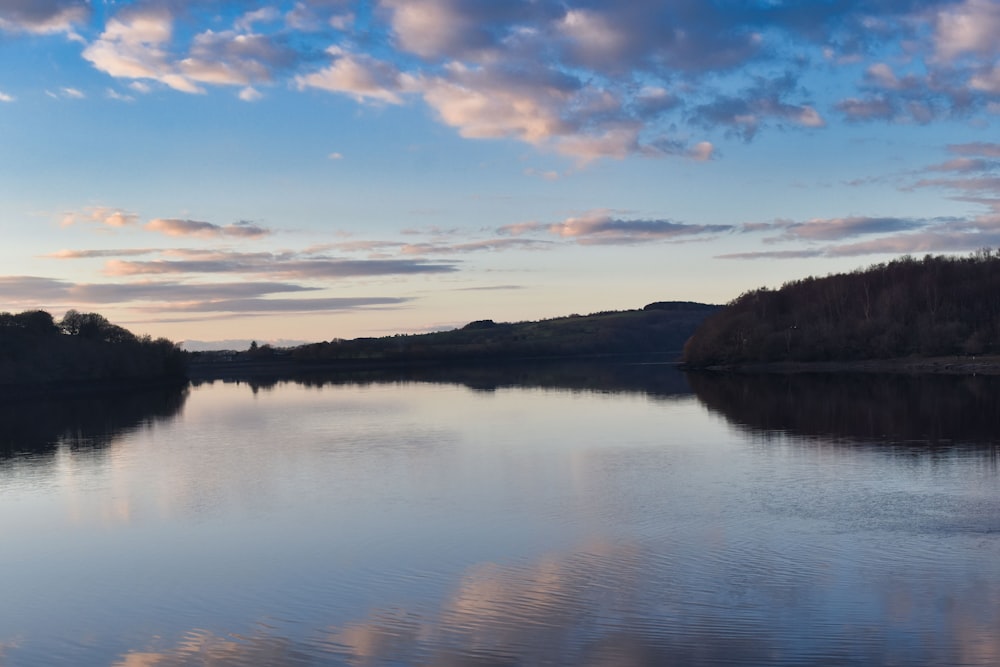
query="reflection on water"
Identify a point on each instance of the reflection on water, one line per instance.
(555, 516)
(40, 427)
(930, 410)
(656, 379)
(614, 604)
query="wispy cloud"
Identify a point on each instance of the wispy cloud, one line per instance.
(107, 252)
(981, 148)
(35, 289)
(101, 215)
(894, 236)
(178, 227)
(287, 266)
(284, 305)
(603, 228)
(474, 246)
(830, 229)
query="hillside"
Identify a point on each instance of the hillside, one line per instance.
(936, 306)
(658, 329)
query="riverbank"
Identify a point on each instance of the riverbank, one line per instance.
(953, 365)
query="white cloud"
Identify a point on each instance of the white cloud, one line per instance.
(483, 103)
(968, 28)
(250, 94)
(4, 97)
(133, 46)
(362, 77)
(113, 94)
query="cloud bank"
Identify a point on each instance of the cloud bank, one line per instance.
(587, 80)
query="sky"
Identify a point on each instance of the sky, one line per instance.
(220, 171)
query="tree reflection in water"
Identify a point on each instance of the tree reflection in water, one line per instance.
(39, 427)
(922, 411)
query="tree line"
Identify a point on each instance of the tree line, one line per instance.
(936, 306)
(35, 349)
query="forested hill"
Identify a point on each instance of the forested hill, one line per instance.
(931, 307)
(38, 352)
(659, 328)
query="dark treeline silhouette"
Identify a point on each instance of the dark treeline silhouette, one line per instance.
(38, 352)
(935, 411)
(661, 381)
(659, 328)
(932, 307)
(82, 423)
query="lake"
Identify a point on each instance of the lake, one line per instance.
(561, 514)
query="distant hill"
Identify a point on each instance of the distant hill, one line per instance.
(39, 354)
(931, 307)
(658, 329)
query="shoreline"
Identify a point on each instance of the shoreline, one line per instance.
(951, 365)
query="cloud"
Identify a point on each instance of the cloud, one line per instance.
(102, 215)
(474, 246)
(965, 165)
(263, 15)
(828, 229)
(362, 77)
(491, 103)
(744, 114)
(931, 241)
(43, 16)
(250, 94)
(235, 58)
(254, 305)
(89, 254)
(112, 94)
(867, 109)
(177, 227)
(773, 254)
(460, 29)
(895, 235)
(981, 148)
(134, 46)
(587, 80)
(603, 229)
(35, 290)
(973, 184)
(4, 97)
(138, 43)
(968, 28)
(287, 266)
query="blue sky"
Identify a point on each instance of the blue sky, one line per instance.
(300, 171)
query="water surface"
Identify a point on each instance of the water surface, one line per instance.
(547, 516)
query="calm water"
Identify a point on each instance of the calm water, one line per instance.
(564, 516)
